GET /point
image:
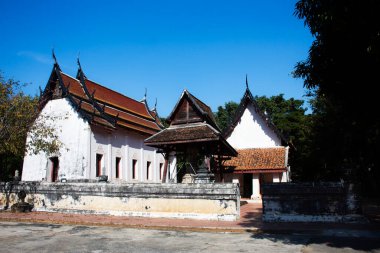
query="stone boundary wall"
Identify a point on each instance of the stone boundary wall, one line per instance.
(310, 202)
(211, 201)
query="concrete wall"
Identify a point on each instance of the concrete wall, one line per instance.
(310, 202)
(197, 201)
(252, 132)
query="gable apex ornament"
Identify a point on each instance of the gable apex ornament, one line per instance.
(53, 55)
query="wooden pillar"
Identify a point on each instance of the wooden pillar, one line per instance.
(166, 157)
(220, 169)
(220, 166)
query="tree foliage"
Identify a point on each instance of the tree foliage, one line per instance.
(225, 114)
(289, 116)
(342, 72)
(18, 114)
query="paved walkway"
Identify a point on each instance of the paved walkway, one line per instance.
(250, 221)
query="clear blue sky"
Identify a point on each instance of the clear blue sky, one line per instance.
(165, 46)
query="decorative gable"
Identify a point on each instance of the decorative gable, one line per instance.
(185, 113)
(190, 109)
(251, 131)
(251, 128)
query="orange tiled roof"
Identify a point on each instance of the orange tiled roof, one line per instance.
(258, 159)
(130, 113)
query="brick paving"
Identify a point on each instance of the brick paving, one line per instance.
(250, 221)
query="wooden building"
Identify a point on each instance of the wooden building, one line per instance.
(192, 136)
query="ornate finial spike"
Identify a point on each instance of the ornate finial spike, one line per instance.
(146, 91)
(155, 105)
(53, 54)
(246, 80)
(78, 62)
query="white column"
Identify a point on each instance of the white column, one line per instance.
(109, 158)
(89, 155)
(172, 167)
(141, 177)
(255, 187)
(284, 177)
(276, 178)
(126, 161)
(155, 177)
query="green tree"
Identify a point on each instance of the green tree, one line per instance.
(290, 118)
(164, 122)
(288, 115)
(225, 114)
(18, 114)
(342, 72)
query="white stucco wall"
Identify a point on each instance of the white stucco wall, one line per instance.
(127, 146)
(84, 142)
(73, 132)
(252, 132)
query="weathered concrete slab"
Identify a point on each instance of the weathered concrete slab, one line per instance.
(198, 201)
(311, 202)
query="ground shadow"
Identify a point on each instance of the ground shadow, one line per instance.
(365, 237)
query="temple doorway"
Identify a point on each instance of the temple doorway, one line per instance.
(247, 185)
(54, 161)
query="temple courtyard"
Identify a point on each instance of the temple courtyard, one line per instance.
(39, 237)
(62, 232)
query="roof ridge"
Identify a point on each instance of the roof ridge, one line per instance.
(277, 147)
(115, 92)
(87, 79)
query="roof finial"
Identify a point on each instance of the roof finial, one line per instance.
(80, 73)
(53, 54)
(246, 80)
(144, 98)
(155, 106)
(80, 67)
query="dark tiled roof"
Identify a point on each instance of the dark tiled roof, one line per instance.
(184, 134)
(192, 134)
(258, 159)
(105, 107)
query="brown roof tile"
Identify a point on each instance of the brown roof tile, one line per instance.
(258, 159)
(184, 134)
(131, 113)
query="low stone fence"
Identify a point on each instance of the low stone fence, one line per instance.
(197, 201)
(310, 202)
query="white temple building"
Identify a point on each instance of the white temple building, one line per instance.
(262, 150)
(102, 132)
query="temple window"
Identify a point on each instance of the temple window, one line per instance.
(148, 172)
(117, 167)
(99, 158)
(134, 169)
